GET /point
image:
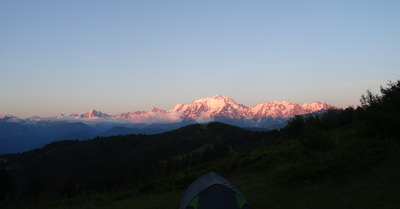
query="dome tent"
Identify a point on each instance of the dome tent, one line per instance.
(212, 191)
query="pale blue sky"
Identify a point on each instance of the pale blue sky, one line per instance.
(120, 56)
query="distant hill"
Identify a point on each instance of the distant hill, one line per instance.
(121, 130)
(21, 136)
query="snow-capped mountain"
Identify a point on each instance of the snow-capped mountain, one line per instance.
(94, 114)
(225, 107)
(23, 134)
(286, 109)
(213, 107)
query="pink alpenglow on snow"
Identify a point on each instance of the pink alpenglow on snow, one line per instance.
(219, 106)
(202, 111)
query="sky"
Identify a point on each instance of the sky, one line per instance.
(123, 56)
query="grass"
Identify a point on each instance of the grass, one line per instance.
(364, 191)
(375, 188)
(167, 200)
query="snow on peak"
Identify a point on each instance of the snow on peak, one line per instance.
(177, 107)
(209, 107)
(2, 116)
(221, 106)
(211, 99)
(205, 109)
(155, 109)
(316, 106)
(94, 114)
(218, 96)
(286, 109)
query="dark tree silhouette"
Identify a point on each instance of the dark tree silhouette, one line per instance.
(6, 186)
(33, 187)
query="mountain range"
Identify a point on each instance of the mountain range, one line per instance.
(18, 135)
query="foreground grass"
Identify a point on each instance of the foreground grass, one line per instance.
(377, 188)
(374, 189)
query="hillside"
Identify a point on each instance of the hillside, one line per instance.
(342, 159)
(106, 163)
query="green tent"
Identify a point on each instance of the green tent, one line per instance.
(212, 191)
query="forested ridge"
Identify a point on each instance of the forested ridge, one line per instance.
(106, 164)
(347, 147)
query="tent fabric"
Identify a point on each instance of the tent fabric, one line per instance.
(212, 191)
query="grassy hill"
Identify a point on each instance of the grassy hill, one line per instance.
(343, 159)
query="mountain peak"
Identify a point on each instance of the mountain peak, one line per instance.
(94, 114)
(155, 109)
(5, 116)
(93, 111)
(218, 96)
